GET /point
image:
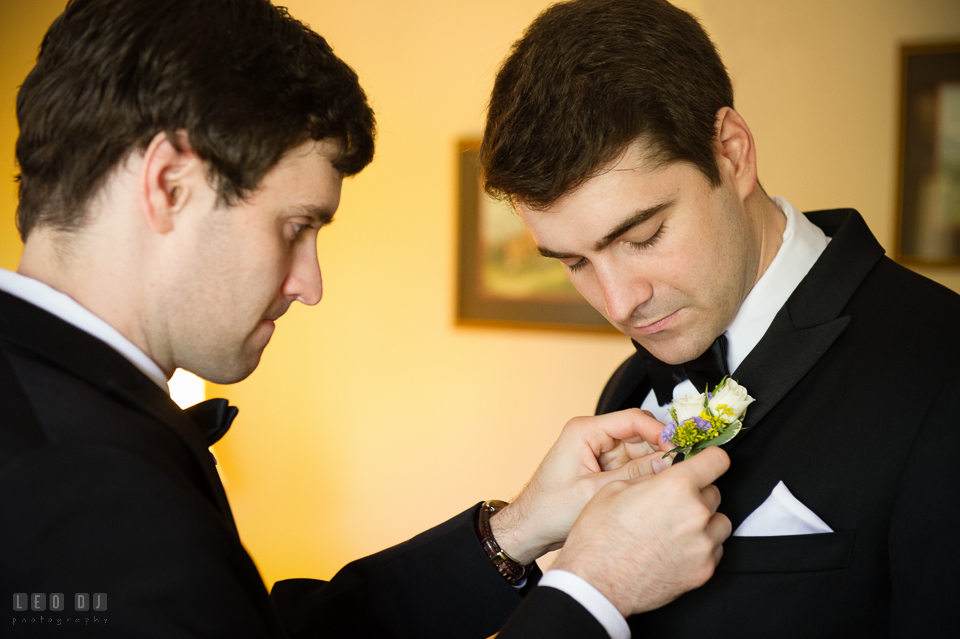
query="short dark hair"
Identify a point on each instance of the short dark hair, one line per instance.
(590, 77)
(244, 79)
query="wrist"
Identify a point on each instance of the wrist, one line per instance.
(509, 567)
(584, 570)
(512, 536)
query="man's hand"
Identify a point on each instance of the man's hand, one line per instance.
(590, 453)
(643, 542)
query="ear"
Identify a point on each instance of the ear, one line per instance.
(167, 180)
(736, 152)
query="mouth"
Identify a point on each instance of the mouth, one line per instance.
(274, 316)
(656, 326)
(270, 320)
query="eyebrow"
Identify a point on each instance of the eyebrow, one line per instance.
(321, 215)
(634, 220)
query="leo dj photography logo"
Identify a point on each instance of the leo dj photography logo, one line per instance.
(55, 609)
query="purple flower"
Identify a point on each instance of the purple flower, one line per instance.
(670, 429)
(668, 432)
(700, 423)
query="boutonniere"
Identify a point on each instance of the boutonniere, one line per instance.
(708, 419)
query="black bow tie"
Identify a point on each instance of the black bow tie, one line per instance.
(709, 368)
(214, 417)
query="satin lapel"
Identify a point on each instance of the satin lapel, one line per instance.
(780, 360)
(70, 349)
(811, 320)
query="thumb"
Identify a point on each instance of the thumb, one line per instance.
(706, 466)
(651, 464)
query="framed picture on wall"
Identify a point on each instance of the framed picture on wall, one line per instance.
(502, 280)
(928, 207)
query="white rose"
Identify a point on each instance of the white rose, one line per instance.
(732, 395)
(687, 407)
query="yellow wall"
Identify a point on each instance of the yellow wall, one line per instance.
(372, 416)
(818, 81)
(22, 25)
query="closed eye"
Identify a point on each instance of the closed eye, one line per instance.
(639, 246)
(652, 240)
(299, 228)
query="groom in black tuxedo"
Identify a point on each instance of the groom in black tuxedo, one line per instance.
(611, 128)
(177, 160)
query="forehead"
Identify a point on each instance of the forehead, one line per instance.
(631, 182)
(304, 178)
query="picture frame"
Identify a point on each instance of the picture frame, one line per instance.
(502, 280)
(928, 193)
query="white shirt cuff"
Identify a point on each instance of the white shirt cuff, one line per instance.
(591, 599)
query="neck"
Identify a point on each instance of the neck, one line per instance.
(771, 223)
(97, 271)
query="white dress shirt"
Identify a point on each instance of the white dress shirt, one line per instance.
(70, 311)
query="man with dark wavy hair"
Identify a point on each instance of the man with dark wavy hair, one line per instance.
(611, 129)
(177, 160)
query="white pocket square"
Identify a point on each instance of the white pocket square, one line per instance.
(781, 514)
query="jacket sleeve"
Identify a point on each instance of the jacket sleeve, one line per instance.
(438, 584)
(548, 613)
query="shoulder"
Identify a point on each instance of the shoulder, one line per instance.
(886, 301)
(907, 309)
(100, 519)
(109, 501)
(898, 280)
(60, 407)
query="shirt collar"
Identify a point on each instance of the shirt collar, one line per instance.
(803, 242)
(69, 310)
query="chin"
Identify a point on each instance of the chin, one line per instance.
(232, 372)
(244, 370)
(674, 351)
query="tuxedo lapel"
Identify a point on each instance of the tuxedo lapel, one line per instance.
(811, 320)
(41, 335)
(780, 360)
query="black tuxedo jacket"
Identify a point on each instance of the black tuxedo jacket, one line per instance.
(857, 394)
(106, 486)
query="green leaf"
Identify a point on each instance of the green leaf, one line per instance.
(685, 450)
(729, 433)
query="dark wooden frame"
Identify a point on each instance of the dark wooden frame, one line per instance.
(474, 308)
(922, 67)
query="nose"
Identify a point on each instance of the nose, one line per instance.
(304, 282)
(622, 293)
